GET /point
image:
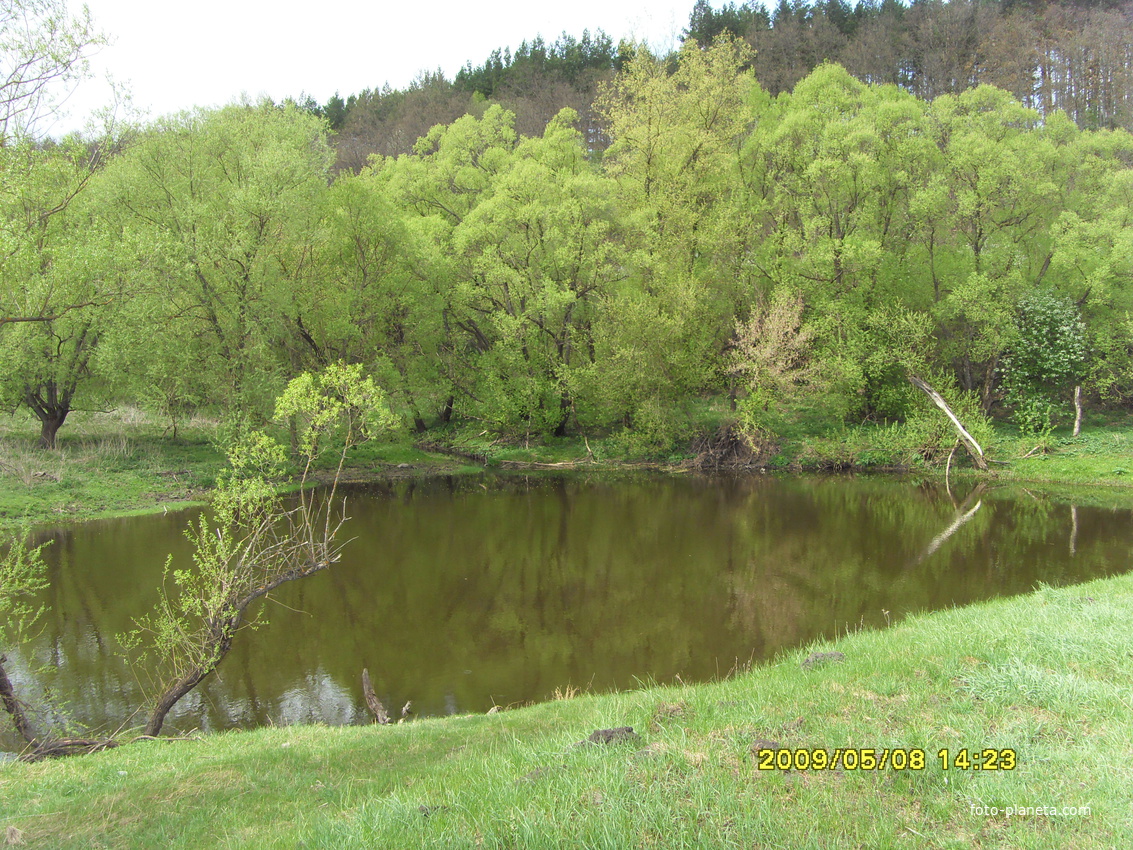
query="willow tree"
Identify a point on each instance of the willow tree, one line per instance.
(533, 257)
(368, 294)
(221, 196)
(450, 171)
(829, 170)
(253, 542)
(674, 159)
(59, 278)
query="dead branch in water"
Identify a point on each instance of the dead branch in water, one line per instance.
(372, 701)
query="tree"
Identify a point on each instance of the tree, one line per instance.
(1046, 359)
(436, 188)
(772, 357)
(986, 220)
(253, 541)
(58, 275)
(368, 296)
(42, 48)
(829, 171)
(533, 257)
(223, 198)
(686, 231)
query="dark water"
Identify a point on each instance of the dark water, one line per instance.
(463, 593)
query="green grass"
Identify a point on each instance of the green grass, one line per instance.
(104, 465)
(1102, 454)
(126, 463)
(123, 463)
(1047, 675)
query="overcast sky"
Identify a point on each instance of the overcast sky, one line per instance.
(173, 56)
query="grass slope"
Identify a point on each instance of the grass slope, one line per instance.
(1048, 675)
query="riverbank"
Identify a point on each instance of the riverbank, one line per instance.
(124, 463)
(1042, 680)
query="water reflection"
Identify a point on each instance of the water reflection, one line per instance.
(463, 593)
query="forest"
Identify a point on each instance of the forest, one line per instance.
(791, 217)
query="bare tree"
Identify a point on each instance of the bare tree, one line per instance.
(43, 51)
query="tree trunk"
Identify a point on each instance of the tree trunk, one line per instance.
(969, 441)
(48, 428)
(220, 641)
(1077, 410)
(565, 406)
(372, 701)
(50, 406)
(13, 707)
(171, 696)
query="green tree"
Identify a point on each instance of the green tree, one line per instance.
(369, 297)
(223, 198)
(533, 256)
(829, 172)
(58, 275)
(253, 542)
(451, 170)
(676, 135)
(1047, 358)
(985, 220)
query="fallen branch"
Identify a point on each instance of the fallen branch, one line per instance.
(970, 443)
(531, 464)
(372, 701)
(61, 747)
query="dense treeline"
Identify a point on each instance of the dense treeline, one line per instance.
(1076, 56)
(805, 251)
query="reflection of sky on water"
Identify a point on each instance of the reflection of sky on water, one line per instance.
(321, 700)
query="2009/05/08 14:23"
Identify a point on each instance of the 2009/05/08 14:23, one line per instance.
(861, 758)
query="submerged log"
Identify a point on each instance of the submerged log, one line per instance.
(372, 701)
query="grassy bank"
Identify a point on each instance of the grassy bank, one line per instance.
(122, 463)
(1046, 675)
(126, 463)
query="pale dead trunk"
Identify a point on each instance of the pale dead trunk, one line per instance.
(969, 441)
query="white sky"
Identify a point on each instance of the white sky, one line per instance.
(176, 55)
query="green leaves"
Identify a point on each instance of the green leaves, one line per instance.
(1047, 357)
(226, 200)
(338, 399)
(22, 576)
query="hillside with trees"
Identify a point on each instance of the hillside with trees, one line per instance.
(1075, 56)
(583, 239)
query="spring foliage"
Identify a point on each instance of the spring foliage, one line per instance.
(537, 284)
(253, 540)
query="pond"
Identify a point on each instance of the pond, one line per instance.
(467, 592)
